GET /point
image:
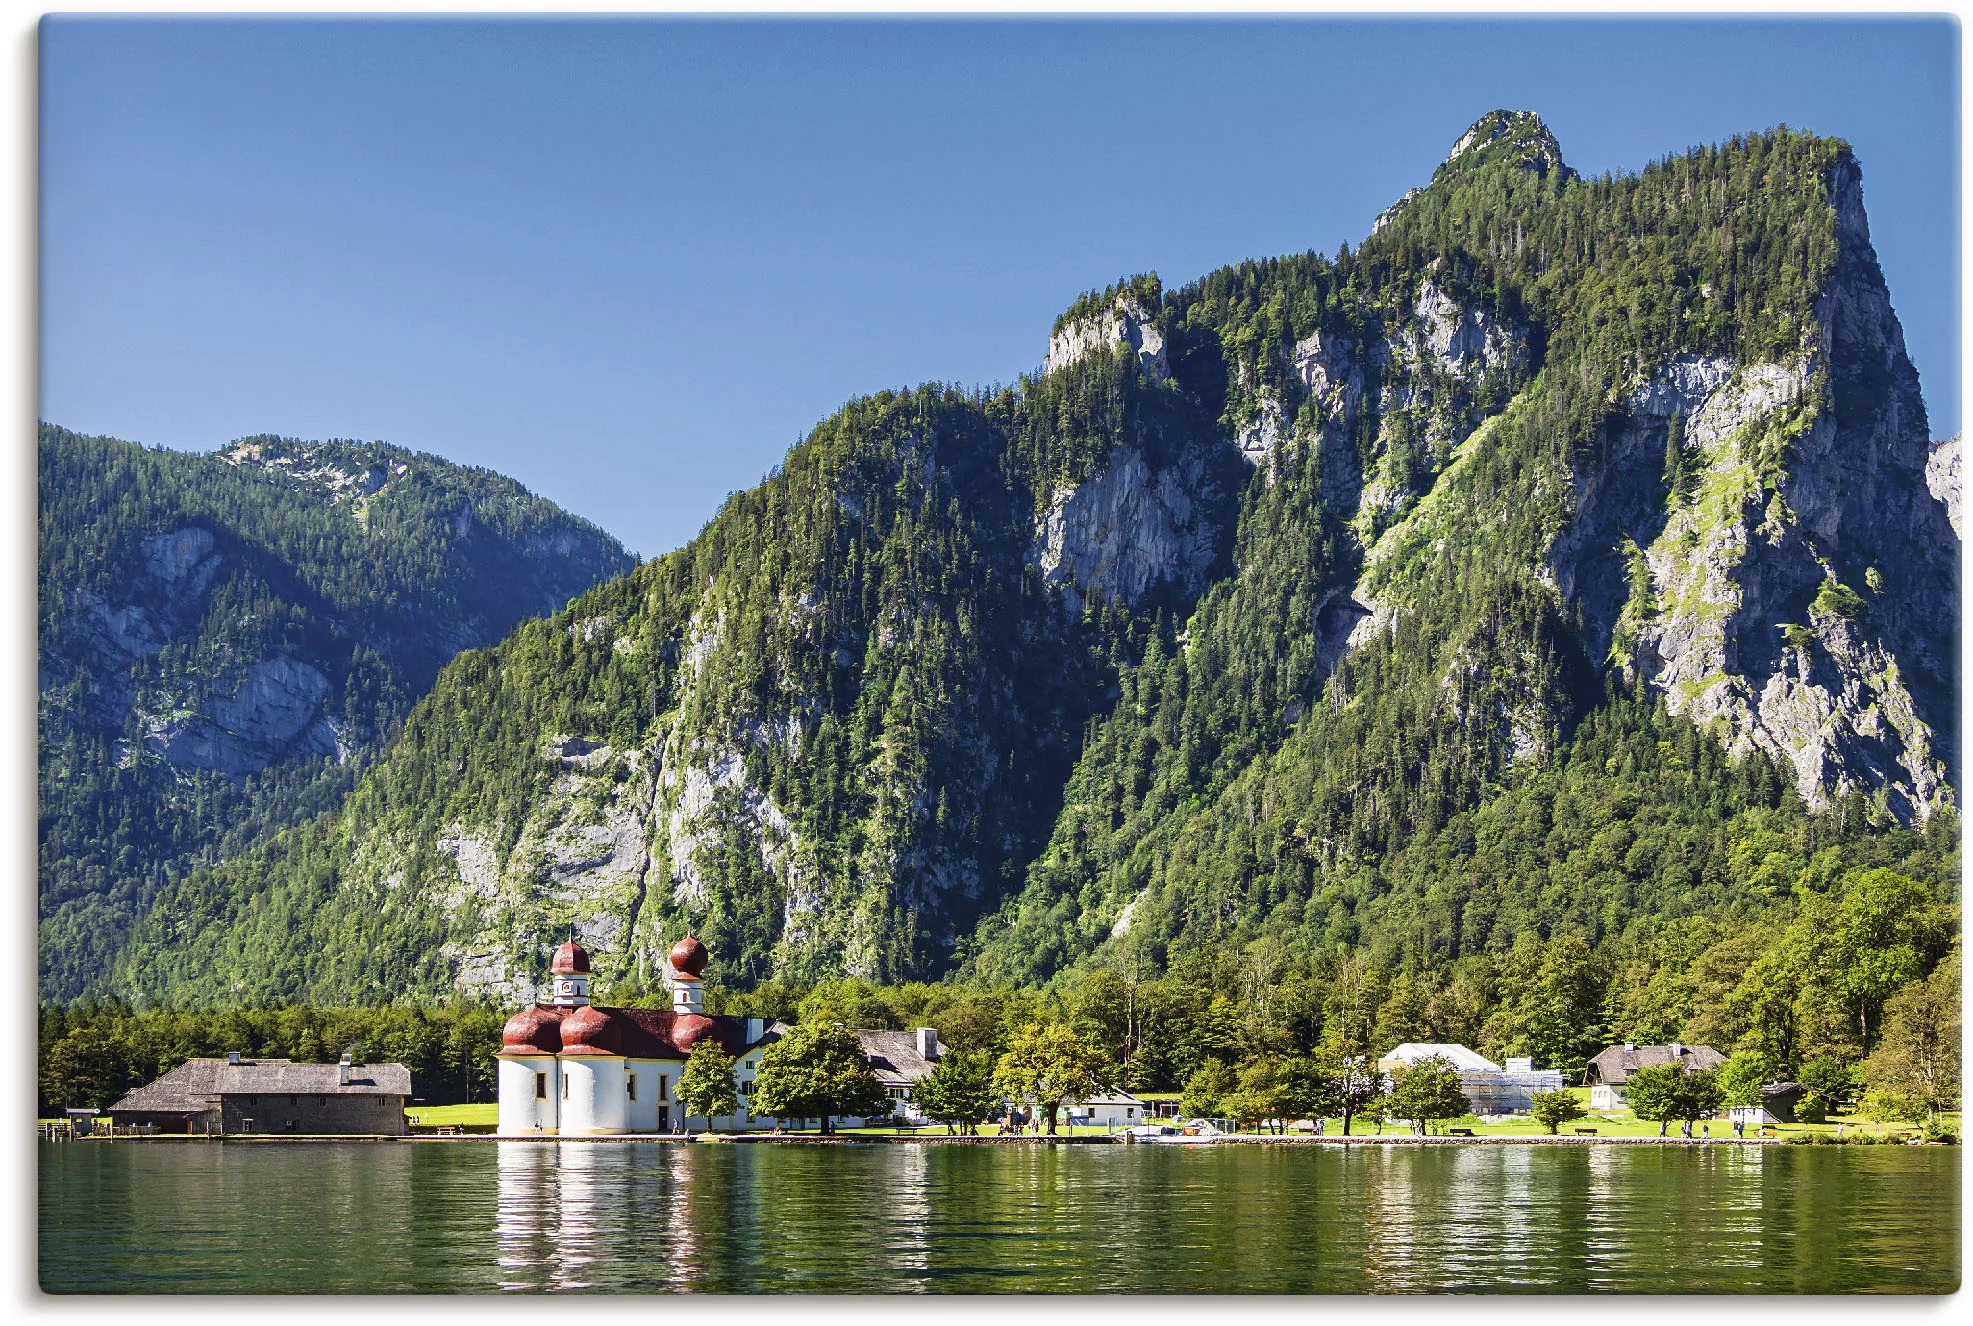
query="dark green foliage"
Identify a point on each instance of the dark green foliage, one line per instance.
(368, 563)
(1476, 826)
(1552, 1109)
(816, 1071)
(91, 1055)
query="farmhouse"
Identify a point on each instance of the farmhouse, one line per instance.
(901, 1060)
(571, 1068)
(236, 1096)
(1610, 1069)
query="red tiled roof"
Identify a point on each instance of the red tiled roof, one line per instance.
(635, 1033)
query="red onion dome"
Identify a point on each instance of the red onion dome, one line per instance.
(534, 1030)
(589, 1030)
(570, 959)
(688, 1029)
(689, 956)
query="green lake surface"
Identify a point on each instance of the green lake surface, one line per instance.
(472, 1217)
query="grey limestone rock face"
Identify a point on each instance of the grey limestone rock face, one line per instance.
(1264, 432)
(180, 555)
(1801, 596)
(1942, 478)
(274, 713)
(1124, 322)
(1128, 530)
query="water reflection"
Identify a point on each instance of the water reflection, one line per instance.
(861, 1218)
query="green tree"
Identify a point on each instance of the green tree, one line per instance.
(1206, 1089)
(1919, 1054)
(1886, 931)
(1355, 1085)
(817, 1071)
(958, 1092)
(1261, 1095)
(1047, 1064)
(1698, 1096)
(1836, 1081)
(1743, 1075)
(1427, 1091)
(706, 1087)
(1653, 1094)
(1552, 1109)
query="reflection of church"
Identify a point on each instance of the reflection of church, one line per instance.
(577, 1069)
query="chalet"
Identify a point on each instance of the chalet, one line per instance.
(901, 1060)
(1491, 1088)
(1611, 1068)
(235, 1096)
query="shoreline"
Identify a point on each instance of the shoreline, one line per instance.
(722, 1139)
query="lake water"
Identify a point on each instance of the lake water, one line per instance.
(327, 1217)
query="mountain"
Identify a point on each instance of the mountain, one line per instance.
(1568, 556)
(227, 639)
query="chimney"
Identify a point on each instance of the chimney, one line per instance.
(756, 1028)
(928, 1043)
(1678, 1050)
(342, 1072)
(1629, 1046)
(233, 1058)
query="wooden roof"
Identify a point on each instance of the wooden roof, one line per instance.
(195, 1085)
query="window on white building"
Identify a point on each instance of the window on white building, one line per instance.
(630, 1085)
(565, 1088)
(664, 1087)
(541, 1086)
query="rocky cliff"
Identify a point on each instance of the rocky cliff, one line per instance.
(222, 635)
(1235, 624)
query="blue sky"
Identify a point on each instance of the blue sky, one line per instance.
(631, 262)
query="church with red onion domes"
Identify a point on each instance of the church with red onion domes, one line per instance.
(570, 1068)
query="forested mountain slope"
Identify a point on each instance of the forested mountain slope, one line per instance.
(226, 638)
(1562, 558)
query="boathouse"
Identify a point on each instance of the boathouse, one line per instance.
(238, 1096)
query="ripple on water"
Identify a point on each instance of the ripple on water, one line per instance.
(549, 1216)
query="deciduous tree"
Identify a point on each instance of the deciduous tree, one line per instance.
(817, 1071)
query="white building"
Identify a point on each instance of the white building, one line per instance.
(571, 1068)
(1491, 1088)
(901, 1060)
(1110, 1109)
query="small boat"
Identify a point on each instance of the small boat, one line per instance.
(1196, 1132)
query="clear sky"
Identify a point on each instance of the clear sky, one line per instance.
(630, 262)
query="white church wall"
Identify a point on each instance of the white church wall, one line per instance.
(594, 1100)
(641, 1115)
(521, 1112)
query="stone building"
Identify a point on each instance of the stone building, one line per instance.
(237, 1096)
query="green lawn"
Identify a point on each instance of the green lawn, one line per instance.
(453, 1116)
(1618, 1123)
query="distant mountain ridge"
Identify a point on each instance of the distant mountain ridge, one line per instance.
(1570, 556)
(226, 638)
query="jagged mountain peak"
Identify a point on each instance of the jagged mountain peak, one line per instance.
(1517, 137)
